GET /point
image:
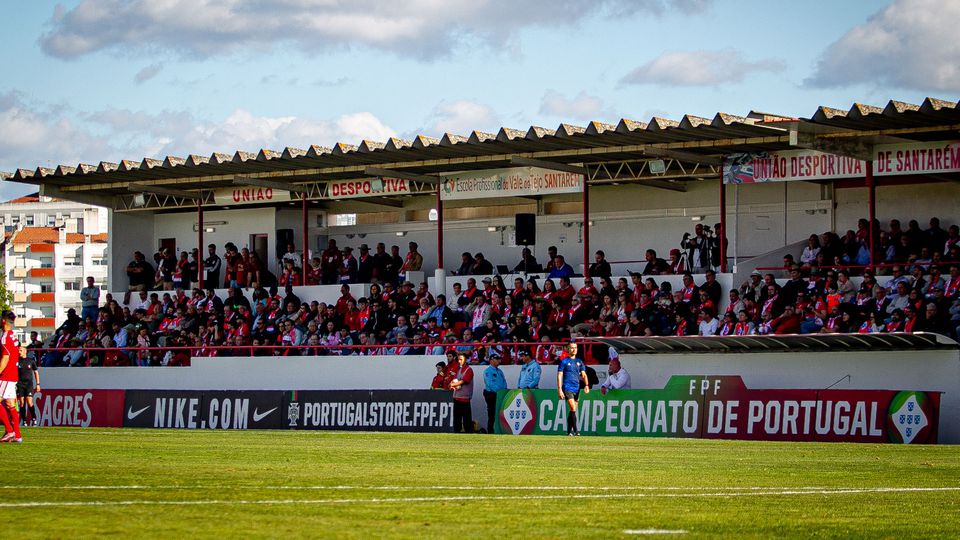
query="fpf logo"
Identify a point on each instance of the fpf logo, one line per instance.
(518, 412)
(910, 418)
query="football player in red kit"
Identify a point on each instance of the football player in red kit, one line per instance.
(8, 380)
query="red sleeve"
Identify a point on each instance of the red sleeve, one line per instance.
(468, 375)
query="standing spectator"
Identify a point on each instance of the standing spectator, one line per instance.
(89, 300)
(140, 274)
(413, 261)
(365, 265)
(348, 266)
(462, 386)
(936, 237)
(529, 371)
(330, 262)
(212, 265)
(394, 265)
(493, 382)
(381, 263)
(166, 268)
(292, 256)
(698, 250)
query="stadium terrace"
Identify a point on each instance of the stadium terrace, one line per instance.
(754, 227)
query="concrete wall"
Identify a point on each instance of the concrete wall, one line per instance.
(903, 202)
(877, 370)
(129, 232)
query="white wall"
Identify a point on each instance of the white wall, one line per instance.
(903, 202)
(877, 370)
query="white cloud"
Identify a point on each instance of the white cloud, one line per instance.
(147, 73)
(699, 68)
(909, 44)
(461, 117)
(421, 28)
(34, 135)
(581, 107)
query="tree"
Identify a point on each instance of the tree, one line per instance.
(6, 295)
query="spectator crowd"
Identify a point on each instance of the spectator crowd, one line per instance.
(169, 319)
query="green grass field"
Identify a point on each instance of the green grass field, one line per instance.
(68, 482)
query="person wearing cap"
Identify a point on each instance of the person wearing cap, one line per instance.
(529, 371)
(570, 372)
(678, 265)
(9, 376)
(493, 382)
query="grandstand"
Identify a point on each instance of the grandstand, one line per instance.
(718, 199)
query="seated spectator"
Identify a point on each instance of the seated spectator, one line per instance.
(528, 263)
(466, 264)
(481, 266)
(560, 269)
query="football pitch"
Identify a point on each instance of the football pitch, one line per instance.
(96, 482)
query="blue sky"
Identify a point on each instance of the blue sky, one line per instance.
(104, 80)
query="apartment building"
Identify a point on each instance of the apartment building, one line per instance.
(50, 248)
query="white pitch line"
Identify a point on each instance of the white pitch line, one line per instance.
(654, 531)
(394, 500)
(411, 488)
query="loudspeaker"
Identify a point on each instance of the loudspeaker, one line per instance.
(526, 226)
(284, 238)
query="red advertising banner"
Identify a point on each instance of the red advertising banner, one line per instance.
(80, 408)
(733, 411)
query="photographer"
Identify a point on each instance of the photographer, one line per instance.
(698, 248)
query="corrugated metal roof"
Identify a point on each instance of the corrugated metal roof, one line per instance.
(724, 133)
(777, 343)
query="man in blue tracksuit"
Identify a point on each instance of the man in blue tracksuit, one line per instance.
(569, 374)
(493, 381)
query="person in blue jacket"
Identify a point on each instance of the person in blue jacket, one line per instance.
(529, 372)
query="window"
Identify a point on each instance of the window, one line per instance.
(51, 221)
(72, 261)
(30, 221)
(46, 263)
(14, 220)
(342, 220)
(98, 262)
(45, 287)
(72, 285)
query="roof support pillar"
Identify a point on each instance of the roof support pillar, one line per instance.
(872, 203)
(200, 267)
(586, 227)
(722, 233)
(306, 243)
